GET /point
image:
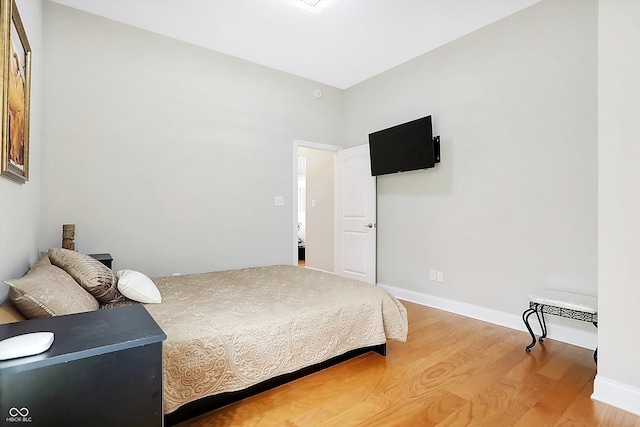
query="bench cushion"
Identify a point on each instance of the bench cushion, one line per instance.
(568, 300)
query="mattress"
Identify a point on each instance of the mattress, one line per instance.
(229, 330)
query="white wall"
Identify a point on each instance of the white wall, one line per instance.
(513, 205)
(618, 379)
(319, 251)
(168, 155)
(20, 204)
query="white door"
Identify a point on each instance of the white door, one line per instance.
(356, 215)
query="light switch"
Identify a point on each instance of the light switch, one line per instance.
(279, 201)
(313, 203)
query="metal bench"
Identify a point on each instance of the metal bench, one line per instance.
(563, 304)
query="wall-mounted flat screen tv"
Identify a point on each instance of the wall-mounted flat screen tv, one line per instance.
(406, 147)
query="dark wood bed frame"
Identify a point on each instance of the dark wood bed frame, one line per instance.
(210, 403)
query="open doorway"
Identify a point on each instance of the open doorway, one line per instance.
(302, 208)
(314, 203)
(340, 214)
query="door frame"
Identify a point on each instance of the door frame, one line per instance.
(317, 146)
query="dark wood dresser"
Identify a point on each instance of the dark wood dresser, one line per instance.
(104, 368)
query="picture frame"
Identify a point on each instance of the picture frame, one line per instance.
(15, 62)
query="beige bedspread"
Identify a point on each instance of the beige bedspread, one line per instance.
(232, 329)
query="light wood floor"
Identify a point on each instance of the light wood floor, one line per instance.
(452, 371)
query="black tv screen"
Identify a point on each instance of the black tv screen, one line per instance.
(406, 147)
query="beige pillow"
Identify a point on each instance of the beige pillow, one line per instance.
(48, 291)
(43, 260)
(91, 274)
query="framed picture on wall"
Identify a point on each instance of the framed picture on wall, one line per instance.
(16, 86)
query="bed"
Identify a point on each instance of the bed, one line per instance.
(233, 333)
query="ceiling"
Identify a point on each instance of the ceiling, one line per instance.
(347, 43)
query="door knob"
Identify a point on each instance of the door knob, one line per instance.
(370, 225)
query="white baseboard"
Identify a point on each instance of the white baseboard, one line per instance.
(616, 394)
(318, 269)
(562, 333)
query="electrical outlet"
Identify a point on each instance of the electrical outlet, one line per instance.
(439, 276)
(432, 275)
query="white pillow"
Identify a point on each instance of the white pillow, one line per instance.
(138, 287)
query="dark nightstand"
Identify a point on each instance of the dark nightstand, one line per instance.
(103, 258)
(103, 369)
